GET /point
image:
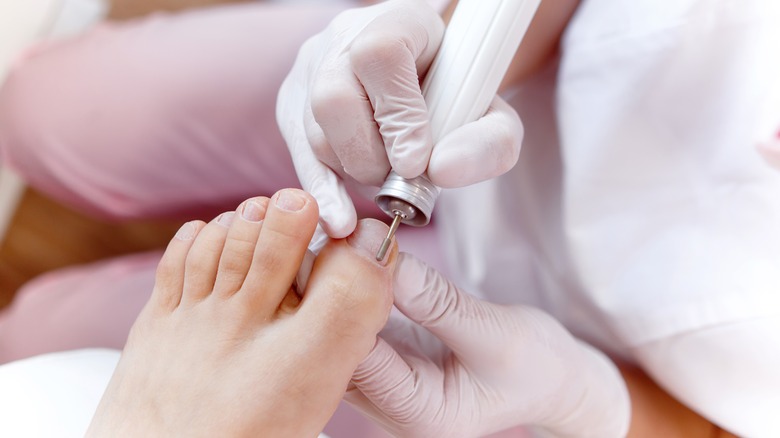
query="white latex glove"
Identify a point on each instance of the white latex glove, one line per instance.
(352, 107)
(504, 366)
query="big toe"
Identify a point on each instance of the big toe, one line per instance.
(349, 293)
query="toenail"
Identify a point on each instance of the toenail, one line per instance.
(368, 237)
(225, 219)
(290, 200)
(252, 211)
(186, 232)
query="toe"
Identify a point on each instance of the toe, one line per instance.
(349, 293)
(169, 279)
(240, 246)
(200, 271)
(287, 229)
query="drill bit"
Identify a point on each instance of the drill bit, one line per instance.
(380, 255)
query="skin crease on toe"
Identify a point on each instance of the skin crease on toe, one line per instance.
(239, 246)
(205, 369)
(281, 247)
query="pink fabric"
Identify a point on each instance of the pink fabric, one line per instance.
(81, 307)
(168, 116)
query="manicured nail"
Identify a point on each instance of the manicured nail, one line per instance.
(225, 219)
(252, 211)
(290, 200)
(368, 237)
(186, 232)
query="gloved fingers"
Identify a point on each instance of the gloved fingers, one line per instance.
(402, 388)
(480, 150)
(344, 114)
(410, 339)
(337, 212)
(319, 143)
(386, 58)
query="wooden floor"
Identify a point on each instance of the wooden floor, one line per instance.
(45, 235)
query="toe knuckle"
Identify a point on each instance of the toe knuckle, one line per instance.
(199, 261)
(357, 309)
(268, 263)
(234, 265)
(288, 234)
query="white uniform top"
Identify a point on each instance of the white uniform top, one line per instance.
(651, 214)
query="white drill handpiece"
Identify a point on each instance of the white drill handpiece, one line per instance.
(478, 46)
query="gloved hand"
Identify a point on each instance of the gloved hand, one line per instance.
(503, 366)
(351, 108)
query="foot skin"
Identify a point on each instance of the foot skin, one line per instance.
(225, 347)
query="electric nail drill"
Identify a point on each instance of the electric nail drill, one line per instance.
(478, 46)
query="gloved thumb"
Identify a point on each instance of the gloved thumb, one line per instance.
(480, 150)
(461, 321)
(337, 213)
(394, 390)
(388, 58)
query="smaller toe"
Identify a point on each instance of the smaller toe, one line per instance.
(200, 269)
(169, 279)
(240, 246)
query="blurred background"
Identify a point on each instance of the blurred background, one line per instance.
(38, 234)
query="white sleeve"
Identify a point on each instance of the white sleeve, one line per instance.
(729, 373)
(671, 213)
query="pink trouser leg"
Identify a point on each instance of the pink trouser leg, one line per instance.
(86, 306)
(173, 115)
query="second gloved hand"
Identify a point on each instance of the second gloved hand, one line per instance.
(352, 108)
(501, 366)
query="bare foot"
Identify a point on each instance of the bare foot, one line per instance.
(226, 348)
